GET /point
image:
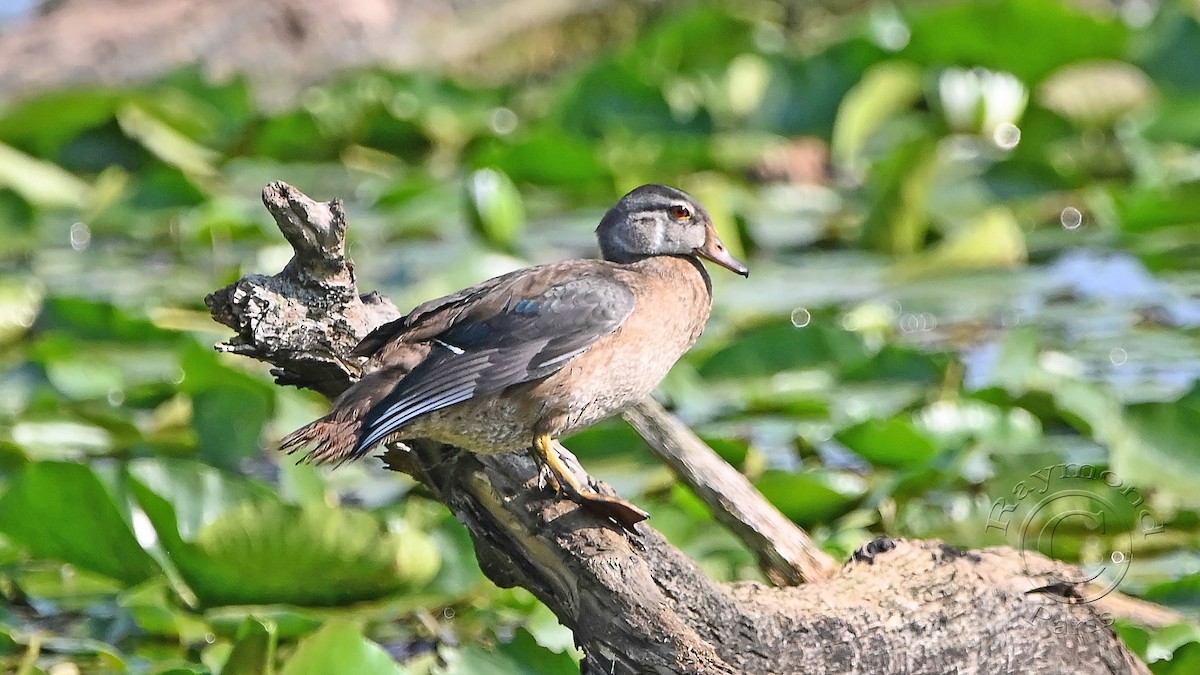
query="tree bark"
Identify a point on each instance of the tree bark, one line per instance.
(637, 604)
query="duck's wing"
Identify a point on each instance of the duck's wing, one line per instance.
(515, 332)
(434, 316)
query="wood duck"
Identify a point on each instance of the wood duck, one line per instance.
(529, 356)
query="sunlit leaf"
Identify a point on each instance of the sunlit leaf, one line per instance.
(166, 143)
(93, 320)
(770, 348)
(546, 156)
(900, 186)
(495, 207)
(885, 89)
(894, 443)
(521, 656)
(1168, 640)
(41, 182)
(614, 96)
(62, 511)
(812, 497)
(1097, 93)
(229, 408)
(1160, 446)
(339, 647)
(44, 123)
(992, 240)
(233, 546)
(254, 650)
(1024, 37)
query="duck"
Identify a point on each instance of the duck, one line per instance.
(525, 358)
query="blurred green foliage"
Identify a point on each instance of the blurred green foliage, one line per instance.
(973, 231)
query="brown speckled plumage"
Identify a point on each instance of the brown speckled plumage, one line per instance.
(537, 353)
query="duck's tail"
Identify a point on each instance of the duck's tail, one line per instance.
(334, 437)
(329, 439)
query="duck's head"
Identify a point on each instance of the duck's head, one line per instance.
(660, 220)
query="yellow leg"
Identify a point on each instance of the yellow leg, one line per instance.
(560, 475)
(622, 512)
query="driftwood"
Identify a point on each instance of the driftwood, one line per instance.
(635, 603)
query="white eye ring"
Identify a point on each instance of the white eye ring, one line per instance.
(680, 212)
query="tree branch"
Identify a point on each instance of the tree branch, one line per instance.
(786, 554)
(637, 604)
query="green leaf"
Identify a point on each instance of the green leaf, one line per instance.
(293, 136)
(62, 511)
(1143, 209)
(1185, 661)
(253, 651)
(669, 45)
(1170, 639)
(156, 610)
(40, 182)
(16, 217)
(166, 143)
(886, 89)
(339, 647)
(993, 239)
(93, 320)
(1160, 446)
(1169, 48)
(770, 348)
(546, 156)
(900, 187)
(43, 124)
(812, 497)
(803, 95)
(229, 408)
(236, 545)
(495, 207)
(522, 656)
(613, 96)
(1135, 637)
(894, 442)
(898, 363)
(1023, 37)
(286, 622)
(1182, 593)
(198, 494)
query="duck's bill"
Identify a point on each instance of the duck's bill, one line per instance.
(715, 251)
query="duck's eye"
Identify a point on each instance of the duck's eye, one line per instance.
(680, 212)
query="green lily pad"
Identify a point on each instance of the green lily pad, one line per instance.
(234, 545)
(253, 651)
(894, 442)
(1024, 37)
(1160, 447)
(339, 647)
(521, 656)
(63, 511)
(812, 497)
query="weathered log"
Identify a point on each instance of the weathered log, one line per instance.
(637, 604)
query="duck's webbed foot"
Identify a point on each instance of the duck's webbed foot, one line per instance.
(560, 478)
